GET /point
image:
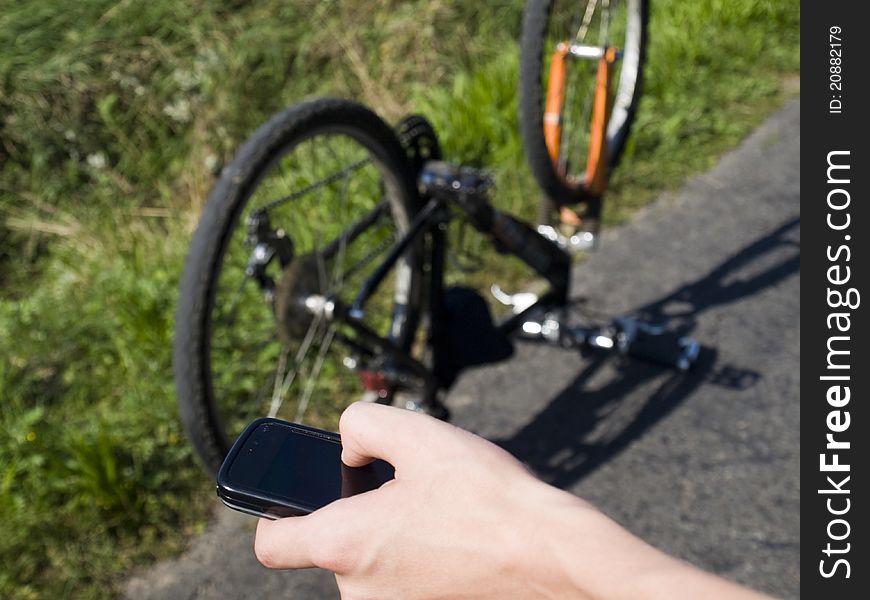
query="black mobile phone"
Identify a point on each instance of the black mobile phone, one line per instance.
(279, 469)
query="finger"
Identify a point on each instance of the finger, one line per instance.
(398, 436)
(287, 543)
(328, 538)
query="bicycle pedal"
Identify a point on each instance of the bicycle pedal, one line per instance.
(517, 302)
(581, 241)
(669, 348)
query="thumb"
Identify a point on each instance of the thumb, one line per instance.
(396, 435)
(287, 543)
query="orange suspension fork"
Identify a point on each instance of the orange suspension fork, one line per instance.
(596, 161)
(555, 101)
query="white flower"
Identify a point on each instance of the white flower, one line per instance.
(186, 80)
(179, 110)
(97, 160)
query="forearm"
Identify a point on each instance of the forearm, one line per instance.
(616, 565)
(464, 519)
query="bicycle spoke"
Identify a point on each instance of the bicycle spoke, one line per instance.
(279, 377)
(605, 24)
(278, 395)
(587, 19)
(325, 343)
(584, 118)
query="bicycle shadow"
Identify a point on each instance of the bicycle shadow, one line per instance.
(612, 402)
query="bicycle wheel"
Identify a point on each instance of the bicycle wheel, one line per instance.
(304, 211)
(578, 101)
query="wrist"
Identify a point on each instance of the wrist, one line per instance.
(580, 553)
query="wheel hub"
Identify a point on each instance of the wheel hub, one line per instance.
(298, 282)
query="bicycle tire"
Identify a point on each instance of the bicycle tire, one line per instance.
(325, 128)
(538, 22)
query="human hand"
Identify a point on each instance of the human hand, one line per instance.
(464, 519)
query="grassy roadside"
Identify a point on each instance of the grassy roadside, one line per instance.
(113, 117)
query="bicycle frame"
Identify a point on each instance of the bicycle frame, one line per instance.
(447, 187)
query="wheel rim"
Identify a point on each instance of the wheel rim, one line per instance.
(314, 191)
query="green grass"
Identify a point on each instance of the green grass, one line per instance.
(114, 117)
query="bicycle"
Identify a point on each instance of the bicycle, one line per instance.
(574, 126)
(316, 276)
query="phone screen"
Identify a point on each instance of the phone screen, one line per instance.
(280, 461)
(300, 466)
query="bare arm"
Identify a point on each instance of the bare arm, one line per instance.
(464, 519)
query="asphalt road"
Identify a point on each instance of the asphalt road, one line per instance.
(703, 465)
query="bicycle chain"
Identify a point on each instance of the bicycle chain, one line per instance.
(329, 179)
